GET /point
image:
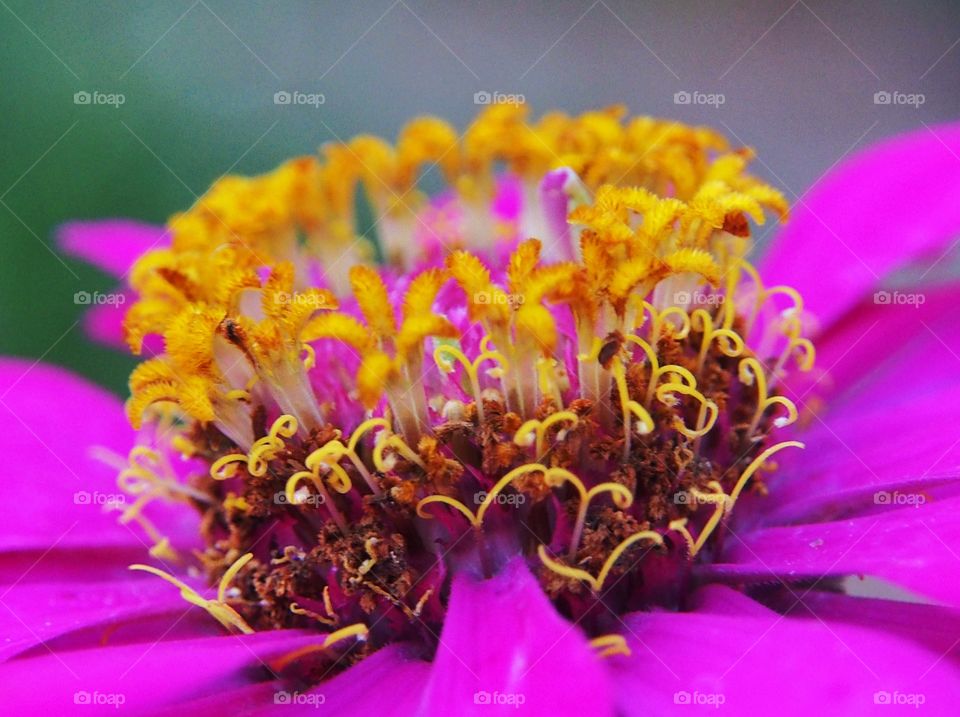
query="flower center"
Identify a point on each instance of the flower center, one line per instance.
(595, 400)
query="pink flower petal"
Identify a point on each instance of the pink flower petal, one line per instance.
(876, 212)
(752, 662)
(63, 614)
(104, 323)
(933, 626)
(51, 424)
(111, 244)
(386, 684)
(878, 447)
(145, 676)
(503, 643)
(911, 547)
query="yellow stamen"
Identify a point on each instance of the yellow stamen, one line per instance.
(620, 495)
(534, 432)
(608, 645)
(218, 608)
(471, 368)
(596, 583)
(750, 372)
(755, 465)
(358, 631)
(476, 519)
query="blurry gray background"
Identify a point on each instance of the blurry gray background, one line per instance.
(198, 78)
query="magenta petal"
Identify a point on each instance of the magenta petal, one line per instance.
(761, 663)
(503, 643)
(49, 422)
(933, 626)
(878, 343)
(145, 676)
(104, 322)
(876, 212)
(113, 244)
(878, 446)
(386, 684)
(62, 614)
(912, 547)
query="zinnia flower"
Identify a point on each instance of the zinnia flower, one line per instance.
(542, 442)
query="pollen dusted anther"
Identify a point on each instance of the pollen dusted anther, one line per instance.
(602, 390)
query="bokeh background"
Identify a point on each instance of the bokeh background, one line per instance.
(198, 77)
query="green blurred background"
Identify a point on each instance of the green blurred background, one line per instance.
(198, 80)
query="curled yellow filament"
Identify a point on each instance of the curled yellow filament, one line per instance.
(261, 453)
(676, 373)
(217, 608)
(720, 500)
(620, 495)
(658, 321)
(728, 341)
(444, 352)
(629, 408)
(538, 430)
(476, 519)
(751, 372)
(596, 583)
(707, 416)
